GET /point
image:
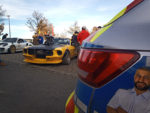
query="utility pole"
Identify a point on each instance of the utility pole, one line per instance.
(9, 25)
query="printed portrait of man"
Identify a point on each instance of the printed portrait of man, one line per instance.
(135, 100)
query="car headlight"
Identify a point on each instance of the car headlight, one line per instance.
(59, 52)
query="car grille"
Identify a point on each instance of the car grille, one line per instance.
(48, 52)
(31, 51)
(39, 53)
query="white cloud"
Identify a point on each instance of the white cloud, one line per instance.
(21, 31)
(103, 9)
(16, 9)
(62, 13)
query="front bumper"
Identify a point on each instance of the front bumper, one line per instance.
(47, 60)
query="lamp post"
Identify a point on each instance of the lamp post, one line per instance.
(9, 25)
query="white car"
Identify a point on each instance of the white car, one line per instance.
(12, 45)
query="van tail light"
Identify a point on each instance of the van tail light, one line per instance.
(98, 67)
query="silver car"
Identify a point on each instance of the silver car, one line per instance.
(12, 45)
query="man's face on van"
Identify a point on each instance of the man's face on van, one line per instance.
(142, 80)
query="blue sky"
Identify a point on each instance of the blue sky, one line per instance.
(61, 13)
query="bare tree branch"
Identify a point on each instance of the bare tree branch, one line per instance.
(74, 28)
(38, 23)
(2, 13)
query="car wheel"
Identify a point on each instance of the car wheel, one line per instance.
(12, 49)
(66, 59)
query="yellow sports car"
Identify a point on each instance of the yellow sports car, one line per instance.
(60, 51)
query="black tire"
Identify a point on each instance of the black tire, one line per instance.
(12, 49)
(66, 58)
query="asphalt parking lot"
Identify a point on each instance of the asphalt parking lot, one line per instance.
(29, 88)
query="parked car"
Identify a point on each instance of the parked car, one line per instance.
(61, 51)
(12, 45)
(109, 59)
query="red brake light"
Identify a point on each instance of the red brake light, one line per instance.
(97, 67)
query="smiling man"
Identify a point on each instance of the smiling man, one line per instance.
(135, 100)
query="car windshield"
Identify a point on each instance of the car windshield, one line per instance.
(61, 41)
(10, 40)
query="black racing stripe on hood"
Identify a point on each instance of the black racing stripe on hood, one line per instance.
(46, 47)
